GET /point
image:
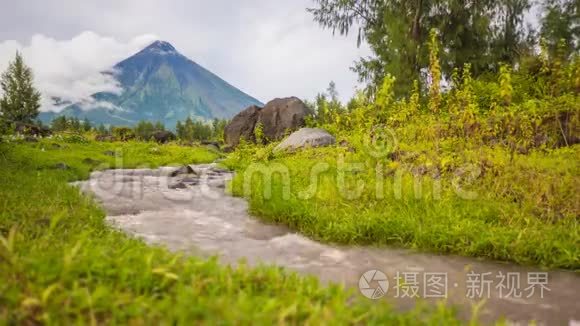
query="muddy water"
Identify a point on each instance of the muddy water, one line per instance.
(191, 212)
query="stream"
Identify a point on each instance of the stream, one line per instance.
(189, 211)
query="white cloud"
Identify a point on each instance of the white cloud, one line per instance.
(71, 69)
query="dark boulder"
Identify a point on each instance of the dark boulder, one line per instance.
(282, 116)
(242, 126)
(279, 117)
(163, 137)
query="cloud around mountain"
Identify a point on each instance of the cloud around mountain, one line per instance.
(70, 71)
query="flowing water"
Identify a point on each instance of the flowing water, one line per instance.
(190, 211)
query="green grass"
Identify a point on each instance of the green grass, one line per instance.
(61, 264)
(526, 209)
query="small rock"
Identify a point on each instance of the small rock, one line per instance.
(219, 170)
(90, 161)
(105, 138)
(183, 170)
(178, 185)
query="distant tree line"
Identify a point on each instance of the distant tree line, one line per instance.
(62, 123)
(190, 130)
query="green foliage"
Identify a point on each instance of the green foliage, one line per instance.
(483, 33)
(20, 100)
(123, 133)
(434, 73)
(559, 26)
(62, 264)
(259, 133)
(505, 85)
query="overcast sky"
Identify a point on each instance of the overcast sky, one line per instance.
(266, 48)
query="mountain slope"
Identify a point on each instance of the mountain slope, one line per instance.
(160, 84)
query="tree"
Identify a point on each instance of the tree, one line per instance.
(560, 26)
(75, 124)
(188, 129)
(480, 32)
(159, 126)
(144, 130)
(102, 130)
(180, 130)
(20, 101)
(87, 126)
(59, 123)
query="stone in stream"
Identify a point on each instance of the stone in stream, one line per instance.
(177, 185)
(183, 170)
(190, 180)
(306, 137)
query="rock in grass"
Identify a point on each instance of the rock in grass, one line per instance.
(306, 137)
(163, 136)
(110, 153)
(61, 166)
(90, 161)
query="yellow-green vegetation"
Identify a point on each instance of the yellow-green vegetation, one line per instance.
(60, 263)
(488, 168)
